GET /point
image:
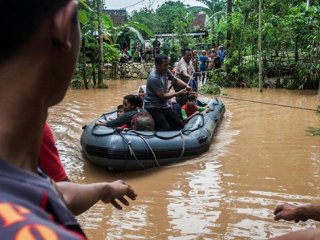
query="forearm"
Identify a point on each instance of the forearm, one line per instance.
(310, 211)
(118, 122)
(170, 95)
(184, 115)
(188, 118)
(180, 83)
(309, 234)
(80, 197)
(186, 74)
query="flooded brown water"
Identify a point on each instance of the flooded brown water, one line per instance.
(261, 156)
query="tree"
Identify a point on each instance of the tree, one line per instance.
(168, 14)
(229, 13)
(215, 10)
(100, 35)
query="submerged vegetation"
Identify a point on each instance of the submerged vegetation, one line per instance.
(314, 131)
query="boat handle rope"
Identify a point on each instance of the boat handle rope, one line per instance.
(101, 134)
(154, 155)
(105, 114)
(187, 132)
(131, 149)
(146, 142)
(183, 147)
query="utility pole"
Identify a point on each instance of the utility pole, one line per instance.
(260, 46)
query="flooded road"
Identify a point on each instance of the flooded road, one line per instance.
(261, 156)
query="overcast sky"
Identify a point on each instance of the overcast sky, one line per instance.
(131, 5)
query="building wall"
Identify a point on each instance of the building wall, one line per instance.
(134, 70)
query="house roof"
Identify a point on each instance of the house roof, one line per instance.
(118, 16)
(198, 22)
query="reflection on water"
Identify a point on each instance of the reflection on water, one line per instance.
(261, 155)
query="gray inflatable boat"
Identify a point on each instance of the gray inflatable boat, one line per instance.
(123, 150)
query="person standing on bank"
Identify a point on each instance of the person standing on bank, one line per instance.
(156, 47)
(157, 96)
(222, 54)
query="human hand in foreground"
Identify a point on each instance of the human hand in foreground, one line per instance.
(80, 197)
(290, 212)
(117, 190)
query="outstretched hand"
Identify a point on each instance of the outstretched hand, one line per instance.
(100, 123)
(117, 191)
(288, 212)
(195, 113)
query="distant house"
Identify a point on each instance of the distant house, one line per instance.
(199, 22)
(118, 16)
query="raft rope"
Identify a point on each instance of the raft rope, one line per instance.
(183, 147)
(270, 103)
(131, 149)
(146, 142)
(153, 153)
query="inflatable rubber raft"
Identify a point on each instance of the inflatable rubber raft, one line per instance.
(124, 150)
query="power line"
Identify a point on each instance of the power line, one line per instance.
(134, 4)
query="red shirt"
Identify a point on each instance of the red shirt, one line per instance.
(188, 110)
(49, 158)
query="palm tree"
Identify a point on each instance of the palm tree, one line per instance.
(111, 33)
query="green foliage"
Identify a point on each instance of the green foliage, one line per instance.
(76, 83)
(111, 53)
(88, 59)
(211, 88)
(291, 37)
(102, 85)
(291, 41)
(147, 17)
(170, 17)
(314, 131)
(169, 14)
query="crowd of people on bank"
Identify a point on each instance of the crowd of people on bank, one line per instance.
(37, 62)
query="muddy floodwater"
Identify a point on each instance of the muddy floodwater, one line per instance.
(261, 155)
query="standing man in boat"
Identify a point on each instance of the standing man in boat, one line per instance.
(157, 96)
(39, 48)
(184, 72)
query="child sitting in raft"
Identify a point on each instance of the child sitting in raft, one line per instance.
(130, 103)
(189, 110)
(120, 112)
